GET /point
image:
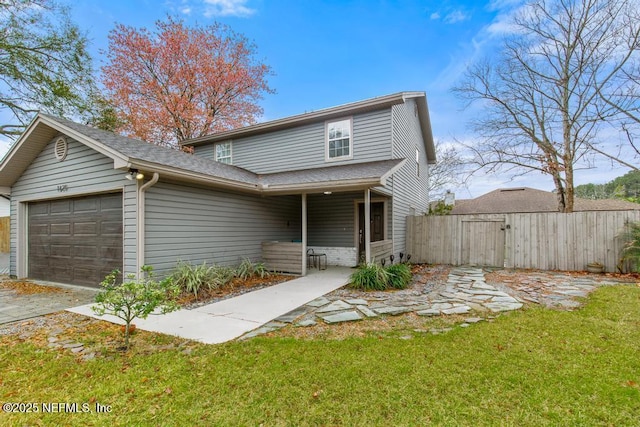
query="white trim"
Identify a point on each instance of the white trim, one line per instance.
(367, 225)
(304, 234)
(326, 140)
(22, 226)
(356, 221)
(140, 221)
(215, 151)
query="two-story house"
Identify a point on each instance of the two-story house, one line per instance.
(340, 181)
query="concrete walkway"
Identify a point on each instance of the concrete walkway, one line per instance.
(231, 318)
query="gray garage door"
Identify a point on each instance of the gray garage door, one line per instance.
(77, 240)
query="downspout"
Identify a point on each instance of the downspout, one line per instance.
(141, 221)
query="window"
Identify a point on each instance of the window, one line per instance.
(339, 142)
(418, 163)
(223, 152)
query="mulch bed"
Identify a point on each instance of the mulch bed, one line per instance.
(22, 287)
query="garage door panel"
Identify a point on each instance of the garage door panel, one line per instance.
(111, 203)
(86, 205)
(61, 251)
(85, 229)
(63, 229)
(60, 207)
(74, 240)
(111, 228)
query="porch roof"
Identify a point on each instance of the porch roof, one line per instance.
(330, 178)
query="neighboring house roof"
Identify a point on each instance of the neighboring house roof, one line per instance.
(131, 153)
(332, 113)
(525, 200)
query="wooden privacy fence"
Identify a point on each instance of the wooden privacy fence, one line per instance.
(546, 241)
(5, 230)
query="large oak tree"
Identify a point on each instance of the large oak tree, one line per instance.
(179, 82)
(541, 98)
(44, 64)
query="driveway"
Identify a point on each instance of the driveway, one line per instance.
(24, 300)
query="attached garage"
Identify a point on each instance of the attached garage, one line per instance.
(75, 240)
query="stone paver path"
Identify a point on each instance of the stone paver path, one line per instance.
(466, 291)
(15, 307)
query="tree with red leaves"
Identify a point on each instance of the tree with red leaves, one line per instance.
(179, 82)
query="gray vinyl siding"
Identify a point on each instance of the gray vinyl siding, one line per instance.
(205, 151)
(410, 192)
(304, 146)
(331, 219)
(197, 224)
(84, 172)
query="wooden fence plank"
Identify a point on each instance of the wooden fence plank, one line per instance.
(532, 240)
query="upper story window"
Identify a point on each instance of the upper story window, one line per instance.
(223, 152)
(418, 162)
(339, 140)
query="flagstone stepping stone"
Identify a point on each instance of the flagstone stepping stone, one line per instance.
(292, 315)
(473, 319)
(442, 306)
(318, 302)
(392, 310)
(307, 322)
(428, 312)
(367, 311)
(503, 306)
(335, 306)
(358, 301)
(345, 316)
(462, 309)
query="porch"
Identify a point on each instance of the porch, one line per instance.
(346, 228)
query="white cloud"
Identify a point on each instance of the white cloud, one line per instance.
(456, 16)
(227, 8)
(450, 17)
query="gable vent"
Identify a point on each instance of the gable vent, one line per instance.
(61, 148)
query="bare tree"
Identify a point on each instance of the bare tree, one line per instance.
(541, 105)
(448, 172)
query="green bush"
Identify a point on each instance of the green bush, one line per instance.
(370, 277)
(248, 269)
(631, 246)
(399, 276)
(135, 297)
(193, 278)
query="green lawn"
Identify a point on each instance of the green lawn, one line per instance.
(528, 368)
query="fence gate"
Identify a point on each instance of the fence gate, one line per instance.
(483, 243)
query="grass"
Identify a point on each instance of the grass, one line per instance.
(534, 367)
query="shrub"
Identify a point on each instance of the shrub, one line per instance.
(192, 278)
(370, 277)
(399, 276)
(631, 246)
(248, 269)
(135, 298)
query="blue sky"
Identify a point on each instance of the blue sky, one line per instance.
(326, 53)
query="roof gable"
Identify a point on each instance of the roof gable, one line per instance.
(353, 108)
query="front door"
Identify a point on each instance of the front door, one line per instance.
(377, 225)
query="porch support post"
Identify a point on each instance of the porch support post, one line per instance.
(367, 225)
(304, 234)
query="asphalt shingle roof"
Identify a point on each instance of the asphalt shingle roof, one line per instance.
(529, 200)
(137, 150)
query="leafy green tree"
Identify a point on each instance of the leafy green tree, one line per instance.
(44, 64)
(135, 298)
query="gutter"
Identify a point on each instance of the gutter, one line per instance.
(140, 221)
